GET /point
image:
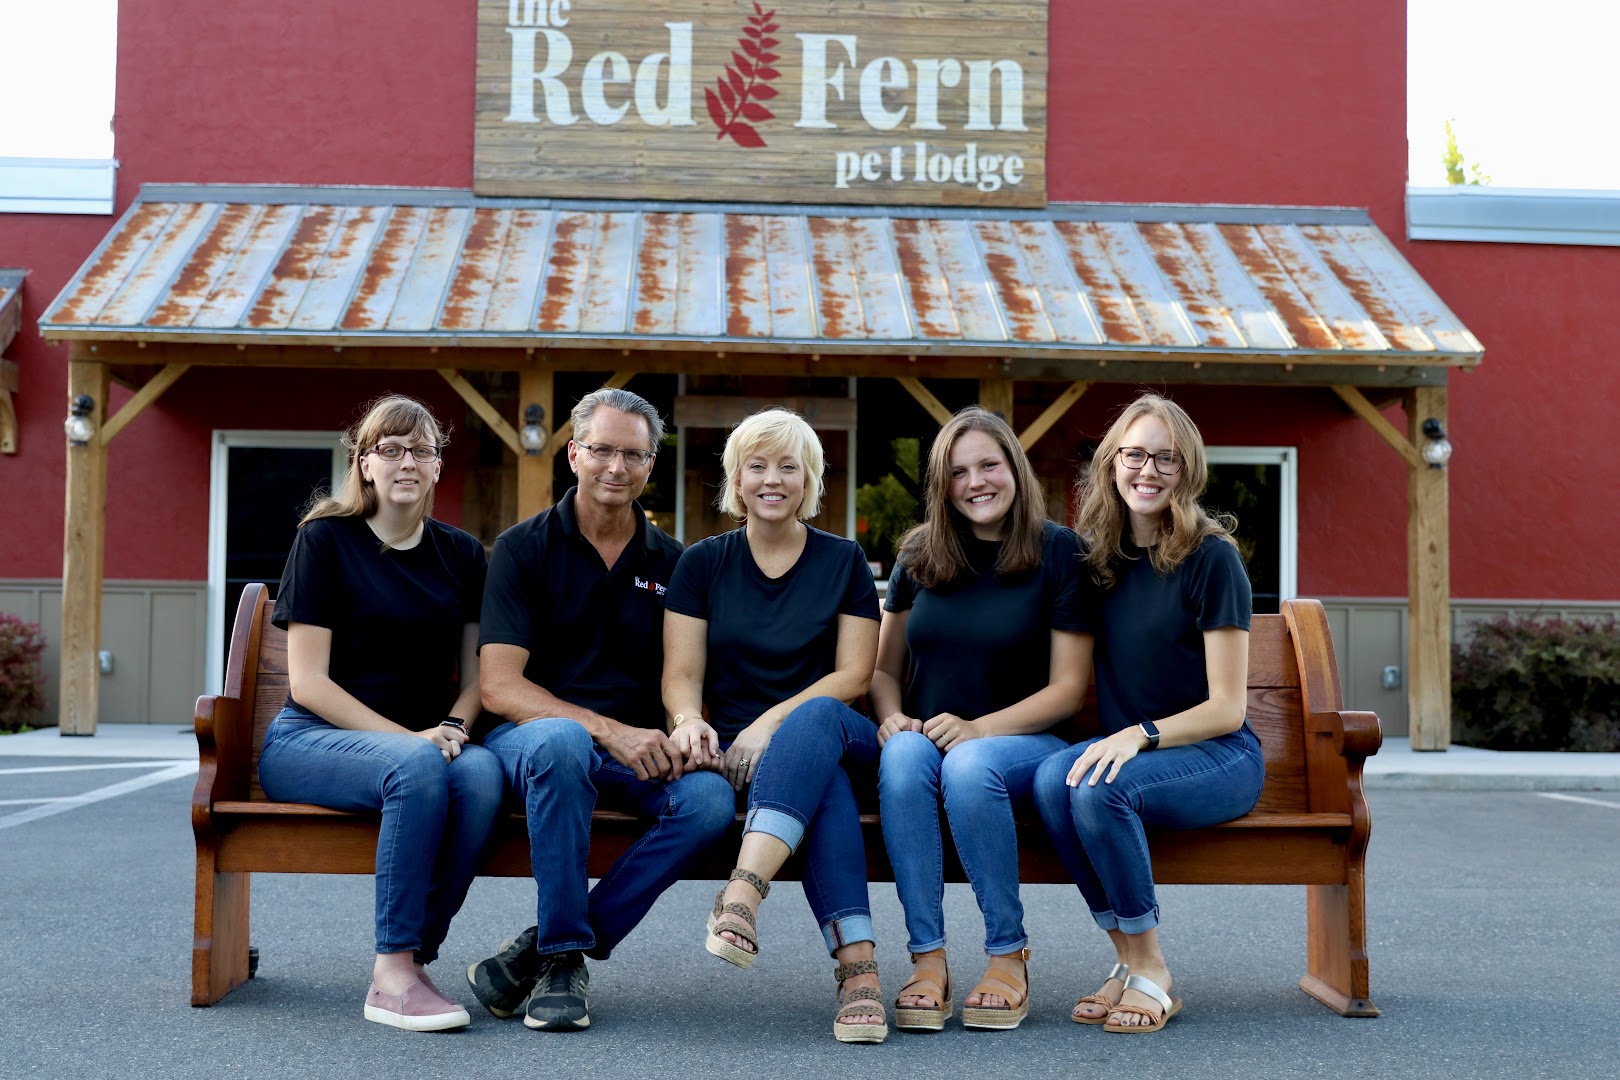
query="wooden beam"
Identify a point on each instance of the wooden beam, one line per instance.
(1054, 412)
(996, 395)
(565, 428)
(1428, 595)
(10, 379)
(143, 397)
(479, 404)
(1378, 422)
(823, 413)
(536, 386)
(10, 376)
(83, 549)
(925, 397)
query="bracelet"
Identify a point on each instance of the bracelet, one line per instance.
(454, 722)
(680, 718)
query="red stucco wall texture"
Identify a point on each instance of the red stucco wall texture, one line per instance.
(1256, 101)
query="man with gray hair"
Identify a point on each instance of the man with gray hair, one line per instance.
(571, 655)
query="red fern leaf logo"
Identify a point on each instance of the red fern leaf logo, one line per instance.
(736, 107)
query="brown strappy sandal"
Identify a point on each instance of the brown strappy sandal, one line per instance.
(861, 1001)
(737, 919)
(1119, 973)
(1007, 983)
(930, 978)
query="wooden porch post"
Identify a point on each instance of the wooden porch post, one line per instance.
(536, 387)
(996, 395)
(83, 544)
(1428, 558)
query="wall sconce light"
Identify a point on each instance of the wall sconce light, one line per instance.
(78, 427)
(532, 437)
(1436, 447)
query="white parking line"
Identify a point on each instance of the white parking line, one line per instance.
(87, 768)
(31, 802)
(1578, 798)
(34, 813)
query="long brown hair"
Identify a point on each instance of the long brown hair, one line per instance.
(1102, 511)
(932, 551)
(355, 496)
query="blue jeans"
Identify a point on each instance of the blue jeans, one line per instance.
(436, 814)
(982, 781)
(802, 792)
(1098, 831)
(559, 774)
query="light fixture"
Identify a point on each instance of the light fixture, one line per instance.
(533, 436)
(1436, 447)
(78, 427)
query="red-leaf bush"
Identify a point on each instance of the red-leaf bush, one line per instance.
(747, 83)
(1534, 684)
(22, 679)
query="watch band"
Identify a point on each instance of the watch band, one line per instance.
(1151, 730)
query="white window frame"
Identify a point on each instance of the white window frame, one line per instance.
(57, 185)
(1471, 212)
(1288, 498)
(224, 441)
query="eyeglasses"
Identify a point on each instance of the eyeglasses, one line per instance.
(396, 452)
(603, 452)
(1167, 462)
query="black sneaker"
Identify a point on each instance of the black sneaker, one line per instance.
(557, 1002)
(502, 983)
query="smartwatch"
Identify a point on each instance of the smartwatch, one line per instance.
(1151, 730)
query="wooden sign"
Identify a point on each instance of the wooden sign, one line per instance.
(930, 103)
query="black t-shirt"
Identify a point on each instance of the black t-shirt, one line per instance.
(981, 643)
(1150, 652)
(595, 636)
(768, 638)
(396, 616)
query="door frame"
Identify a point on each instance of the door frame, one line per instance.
(222, 443)
(1288, 503)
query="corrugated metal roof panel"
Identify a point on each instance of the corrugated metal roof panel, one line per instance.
(346, 265)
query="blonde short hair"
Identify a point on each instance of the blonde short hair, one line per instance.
(772, 431)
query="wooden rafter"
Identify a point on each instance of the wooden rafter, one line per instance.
(1378, 422)
(925, 397)
(479, 404)
(147, 394)
(1054, 412)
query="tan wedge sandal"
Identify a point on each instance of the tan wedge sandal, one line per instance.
(1119, 974)
(861, 1001)
(1007, 977)
(930, 978)
(737, 919)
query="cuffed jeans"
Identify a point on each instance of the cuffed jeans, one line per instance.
(1098, 831)
(559, 774)
(982, 781)
(802, 793)
(436, 814)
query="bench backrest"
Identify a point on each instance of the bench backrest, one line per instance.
(257, 675)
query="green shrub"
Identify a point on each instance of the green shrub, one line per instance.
(1529, 684)
(22, 681)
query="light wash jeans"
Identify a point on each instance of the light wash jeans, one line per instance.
(436, 815)
(982, 782)
(1098, 831)
(802, 792)
(560, 775)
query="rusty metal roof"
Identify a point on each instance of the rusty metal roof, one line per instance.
(334, 266)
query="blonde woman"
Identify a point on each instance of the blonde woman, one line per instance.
(1172, 665)
(769, 630)
(380, 603)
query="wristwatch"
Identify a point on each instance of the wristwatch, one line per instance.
(1151, 730)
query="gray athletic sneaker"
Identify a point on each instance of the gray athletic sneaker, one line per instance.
(502, 983)
(557, 1002)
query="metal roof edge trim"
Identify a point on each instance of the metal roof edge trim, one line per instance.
(1217, 213)
(11, 277)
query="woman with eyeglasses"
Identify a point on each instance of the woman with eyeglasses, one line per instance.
(380, 603)
(985, 646)
(1171, 667)
(769, 631)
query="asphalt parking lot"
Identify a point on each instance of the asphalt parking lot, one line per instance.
(1493, 945)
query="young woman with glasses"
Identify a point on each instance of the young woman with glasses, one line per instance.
(380, 603)
(1171, 666)
(984, 646)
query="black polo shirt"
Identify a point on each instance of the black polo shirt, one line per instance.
(595, 636)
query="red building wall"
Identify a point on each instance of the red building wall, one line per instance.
(1253, 101)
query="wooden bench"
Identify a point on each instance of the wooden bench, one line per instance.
(1310, 827)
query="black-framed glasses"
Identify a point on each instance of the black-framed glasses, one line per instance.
(603, 452)
(1167, 462)
(396, 452)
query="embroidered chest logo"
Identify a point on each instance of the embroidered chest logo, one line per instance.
(650, 586)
